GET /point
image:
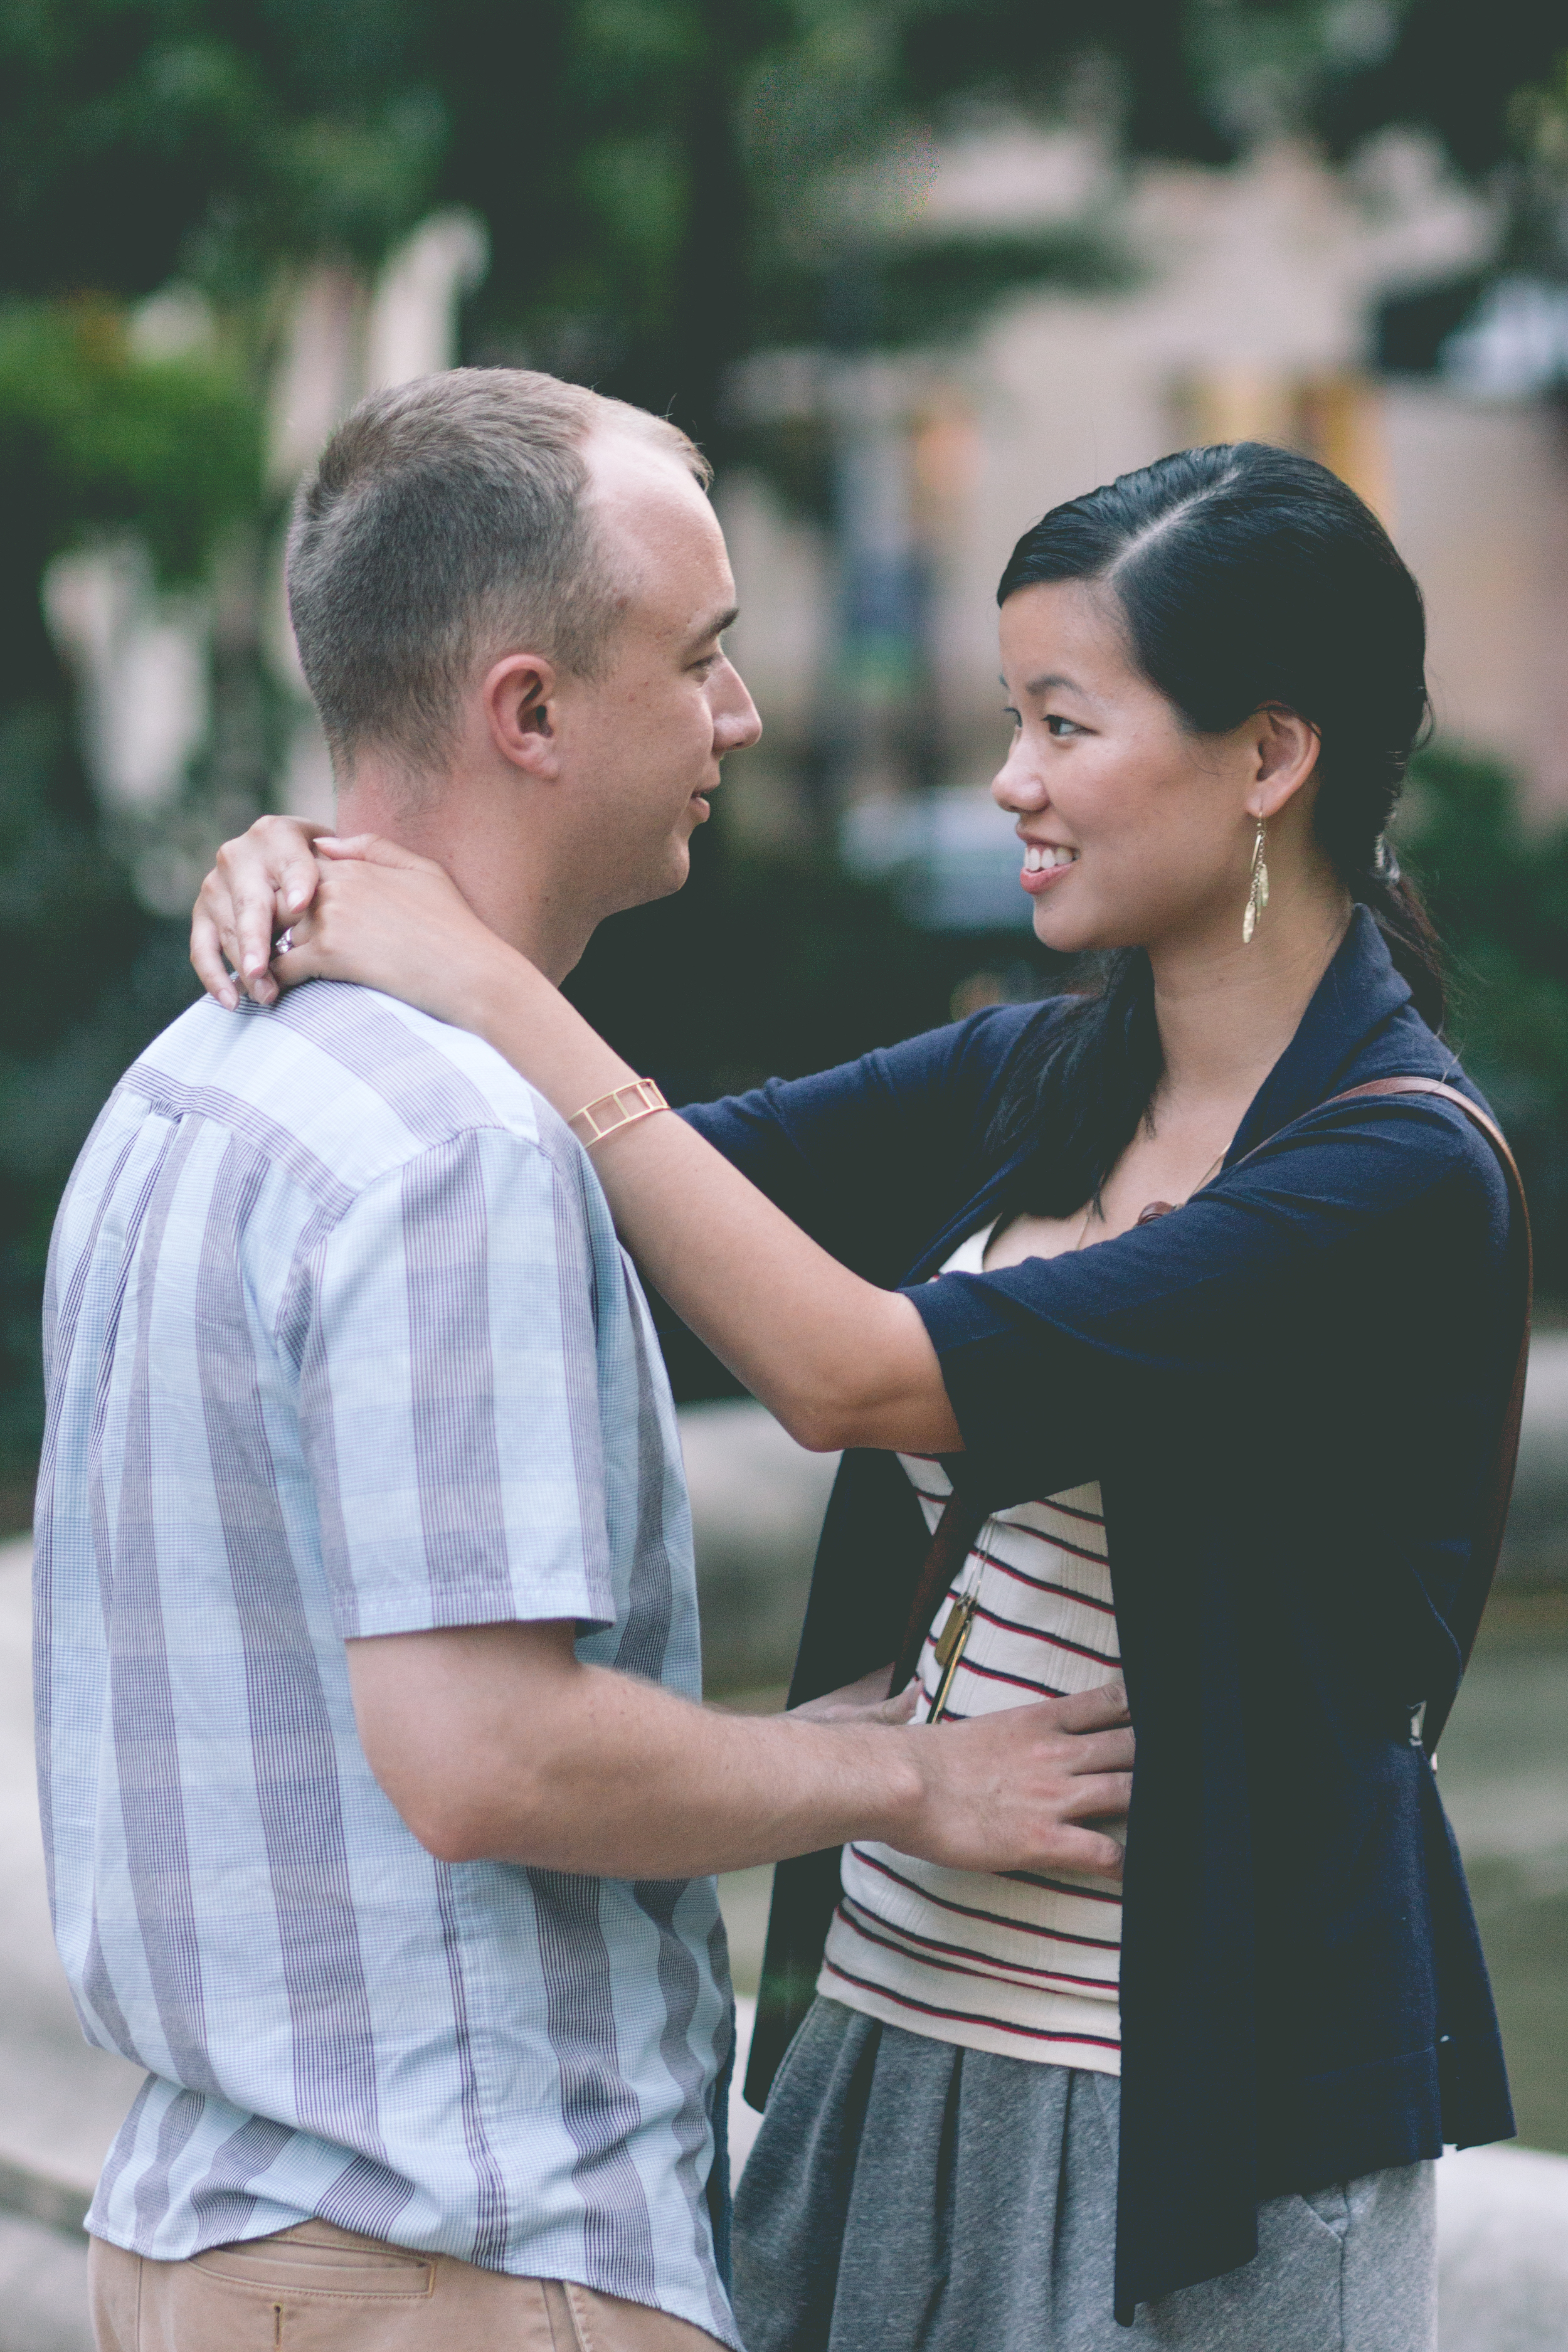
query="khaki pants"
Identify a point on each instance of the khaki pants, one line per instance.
(317, 2288)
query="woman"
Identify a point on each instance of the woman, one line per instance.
(1244, 1440)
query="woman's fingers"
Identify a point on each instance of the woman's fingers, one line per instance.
(206, 951)
(375, 849)
(272, 876)
(260, 882)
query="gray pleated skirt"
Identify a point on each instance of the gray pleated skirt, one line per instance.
(908, 2196)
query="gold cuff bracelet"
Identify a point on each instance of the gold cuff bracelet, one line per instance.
(622, 1107)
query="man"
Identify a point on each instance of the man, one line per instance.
(376, 1790)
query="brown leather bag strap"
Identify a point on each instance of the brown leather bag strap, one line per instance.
(960, 1523)
(1498, 1489)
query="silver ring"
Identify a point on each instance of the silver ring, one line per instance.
(284, 941)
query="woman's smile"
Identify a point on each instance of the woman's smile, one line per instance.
(1045, 863)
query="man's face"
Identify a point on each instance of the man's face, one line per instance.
(640, 743)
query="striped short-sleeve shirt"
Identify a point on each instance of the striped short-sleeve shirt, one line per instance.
(1011, 1961)
(340, 1342)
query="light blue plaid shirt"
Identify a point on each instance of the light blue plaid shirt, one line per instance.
(340, 1342)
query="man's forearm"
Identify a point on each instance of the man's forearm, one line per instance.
(639, 1783)
(494, 1742)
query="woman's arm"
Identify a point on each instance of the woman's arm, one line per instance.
(839, 1362)
(869, 1158)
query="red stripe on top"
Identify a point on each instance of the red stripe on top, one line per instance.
(966, 2016)
(972, 1911)
(1057, 1543)
(1071, 1511)
(896, 1938)
(1048, 1584)
(1038, 1633)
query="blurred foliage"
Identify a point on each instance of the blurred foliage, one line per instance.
(669, 187)
(1499, 895)
(1537, 238)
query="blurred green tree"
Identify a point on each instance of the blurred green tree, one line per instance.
(668, 186)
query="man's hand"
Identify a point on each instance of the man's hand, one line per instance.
(260, 883)
(1016, 1790)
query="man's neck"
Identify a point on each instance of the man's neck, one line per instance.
(511, 883)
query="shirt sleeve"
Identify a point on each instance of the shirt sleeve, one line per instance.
(448, 1397)
(1054, 1366)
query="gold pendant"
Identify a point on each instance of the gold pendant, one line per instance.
(949, 1648)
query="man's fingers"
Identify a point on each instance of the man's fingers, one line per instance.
(1101, 1751)
(1096, 1797)
(1089, 1850)
(1094, 1710)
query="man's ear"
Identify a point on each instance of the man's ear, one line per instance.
(519, 692)
(1287, 748)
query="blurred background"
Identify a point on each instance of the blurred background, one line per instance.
(912, 271)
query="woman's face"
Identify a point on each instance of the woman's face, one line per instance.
(1136, 829)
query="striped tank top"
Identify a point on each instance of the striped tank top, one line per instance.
(1012, 1961)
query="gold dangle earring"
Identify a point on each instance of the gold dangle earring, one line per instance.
(1256, 890)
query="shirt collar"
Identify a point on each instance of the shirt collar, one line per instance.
(1358, 995)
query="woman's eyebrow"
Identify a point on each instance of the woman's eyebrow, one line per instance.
(1053, 679)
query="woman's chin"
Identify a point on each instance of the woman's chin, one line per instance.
(1065, 933)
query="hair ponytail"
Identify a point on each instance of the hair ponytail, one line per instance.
(1247, 575)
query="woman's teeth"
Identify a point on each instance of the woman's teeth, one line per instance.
(1040, 856)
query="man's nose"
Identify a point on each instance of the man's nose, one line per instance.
(737, 721)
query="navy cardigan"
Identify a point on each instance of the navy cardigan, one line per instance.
(1289, 1391)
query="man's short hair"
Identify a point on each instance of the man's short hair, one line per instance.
(445, 522)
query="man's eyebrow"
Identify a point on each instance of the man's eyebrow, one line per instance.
(716, 627)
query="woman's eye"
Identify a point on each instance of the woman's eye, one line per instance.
(1061, 727)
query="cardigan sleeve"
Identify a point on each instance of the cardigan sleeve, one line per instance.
(1053, 1365)
(869, 1158)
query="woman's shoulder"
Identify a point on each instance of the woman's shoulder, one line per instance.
(1440, 1136)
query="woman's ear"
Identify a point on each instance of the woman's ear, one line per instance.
(518, 693)
(1285, 746)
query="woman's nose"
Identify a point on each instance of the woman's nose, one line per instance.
(1016, 783)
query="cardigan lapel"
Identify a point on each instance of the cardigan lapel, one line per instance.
(1359, 994)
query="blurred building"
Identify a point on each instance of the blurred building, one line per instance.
(1252, 310)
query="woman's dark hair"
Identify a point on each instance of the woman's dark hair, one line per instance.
(1246, 575)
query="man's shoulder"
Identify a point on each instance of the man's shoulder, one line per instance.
(341, 1086)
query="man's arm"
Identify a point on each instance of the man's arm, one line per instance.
(494, 1742)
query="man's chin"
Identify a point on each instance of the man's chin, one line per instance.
(656, 881)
